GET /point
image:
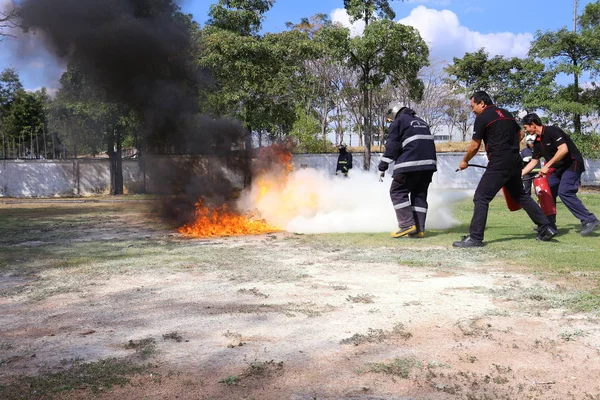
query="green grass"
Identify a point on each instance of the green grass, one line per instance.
(96, 377)
(509, 240)
(91, 240)
(398, 367)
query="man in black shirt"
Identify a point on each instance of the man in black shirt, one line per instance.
(563, 166)
(501, 135)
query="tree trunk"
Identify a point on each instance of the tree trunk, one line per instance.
(116, 163)
(248, 158)
(53, 145)
(367, 125)
(324, 124)
(37, 144)
(44, 137)
(576, 116)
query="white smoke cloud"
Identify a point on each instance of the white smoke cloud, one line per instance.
(446, 37)
(312, 202)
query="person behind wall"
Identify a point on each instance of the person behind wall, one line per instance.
(410, 146)
(563, 167)
(344, 162)
(526, 155)
(501, 134)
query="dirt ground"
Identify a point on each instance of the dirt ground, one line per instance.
(282, 316)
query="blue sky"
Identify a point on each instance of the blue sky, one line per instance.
(450, 27)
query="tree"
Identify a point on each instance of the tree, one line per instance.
(386, 51)
(436, 94)
(255, 77)
(571, 53)
(241, 16)
(319, 90)
(512, 82)
(458, 116)
(305, 131)
(88, 118)
(370, 53)
(367, 10)
(8, 19)
(10, 89)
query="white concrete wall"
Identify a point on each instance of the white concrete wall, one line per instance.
(446, 175)
(81, 177)
(40, 178)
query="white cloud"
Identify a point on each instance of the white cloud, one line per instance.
(434, 2)
(340, 16)
(447, 38)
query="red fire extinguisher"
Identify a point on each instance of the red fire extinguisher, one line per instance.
(511, 203)
(544, 195)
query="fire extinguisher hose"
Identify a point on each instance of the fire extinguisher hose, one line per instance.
(473, 165)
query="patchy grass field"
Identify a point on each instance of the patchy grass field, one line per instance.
(99, 299)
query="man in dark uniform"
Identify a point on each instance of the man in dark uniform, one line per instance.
(410, 146)
(526, 155)
(501, 134)
(344, 162)
(563, 166)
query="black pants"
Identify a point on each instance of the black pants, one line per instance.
(491, 182)
(409, 197)
(565, 184)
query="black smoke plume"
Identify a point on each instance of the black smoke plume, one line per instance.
(140, 53)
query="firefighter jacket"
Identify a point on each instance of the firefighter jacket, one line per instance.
(344, 162)
(409, 145)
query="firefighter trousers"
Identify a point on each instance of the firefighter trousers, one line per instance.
(490, 184)
(565, 185)
(409, 198)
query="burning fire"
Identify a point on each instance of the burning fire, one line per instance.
(274, 165)
(221, 221)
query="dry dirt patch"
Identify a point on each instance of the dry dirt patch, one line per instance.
(282, 317)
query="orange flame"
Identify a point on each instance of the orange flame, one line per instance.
(221, 221)
(272, 161)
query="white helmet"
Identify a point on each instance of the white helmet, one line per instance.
(392, 110)
(342, 146)
(529, 138)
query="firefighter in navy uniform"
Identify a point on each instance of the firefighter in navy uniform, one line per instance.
(501, 134)
(563, 167)
(410, 146)
(526, 156)
(344, 162)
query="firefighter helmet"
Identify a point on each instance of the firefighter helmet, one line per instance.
(393, 110)
(342, 146)
(529, 139)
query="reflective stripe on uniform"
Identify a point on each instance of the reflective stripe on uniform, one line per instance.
(417, 137)
(420, 209)
(415, 163)
(402, 205)
(387, 160)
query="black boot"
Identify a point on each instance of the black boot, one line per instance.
(467, 241)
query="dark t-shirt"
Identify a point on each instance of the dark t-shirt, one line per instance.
(500, 134)
(547, 144)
